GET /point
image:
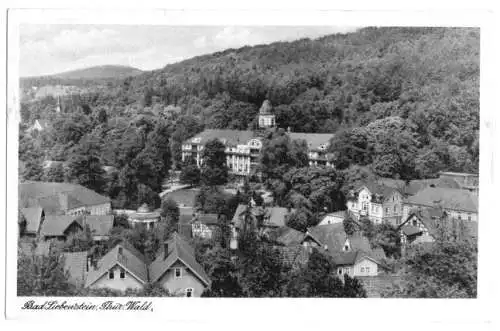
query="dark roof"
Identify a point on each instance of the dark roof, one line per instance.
(76, 265)
(430, 217)
(33, 217)
(379, 189)
(58, 197)
(409, 230)
(289, 237)
(454, 199)
(56, 225)
(127, 260)
(100, 225)
(207, 218)
(178, 250)
(417, 185)
(353, 257)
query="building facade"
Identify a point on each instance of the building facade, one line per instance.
(377, 202)
(243, 146)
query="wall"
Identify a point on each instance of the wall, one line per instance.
(179, 285)
(117, 283)
(366, 263)
(395, 200)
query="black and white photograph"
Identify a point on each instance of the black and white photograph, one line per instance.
(192, 162)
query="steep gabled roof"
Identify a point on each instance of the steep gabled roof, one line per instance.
(379, 189)
(429, 218)
(178, 250)
(127, 260)
(273, 216)
(288, 236)
(33, 217)
(56, 225)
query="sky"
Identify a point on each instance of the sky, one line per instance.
(50, 49)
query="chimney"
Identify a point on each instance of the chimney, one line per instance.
(165, 250)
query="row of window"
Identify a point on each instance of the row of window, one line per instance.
(111, 274)
(365, 269)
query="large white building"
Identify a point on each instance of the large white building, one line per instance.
(243, 146)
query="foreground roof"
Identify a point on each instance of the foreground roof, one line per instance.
(454, 199)
(126, 259)
(178, 250)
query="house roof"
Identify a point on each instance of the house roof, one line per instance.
(353, 257)
(409, 230)
(454, 199)
(76, 265)
(178, 250)
(33, 216)
(58, 197)
(379, 189)
(126, 259)
(100, 225)
(228, 137)
(314, 140)
(429, 218)
(207, 218)
(417, 185)
(288, 236)
(56, 225)
(266, 108)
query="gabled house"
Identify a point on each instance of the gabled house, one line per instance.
(349, 252)
(380, 203)
(119, 269)
(60, 227)
(177, 270)
(420, 226)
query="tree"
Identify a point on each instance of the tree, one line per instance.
(349, 226)
(40, 275)
(300, 220)
(146, 195)
(214, 169)
(190, 173)
(84, 165)
(79, 241)
(318, 279)
(54, 173)
(367, 228)
(223, 274)
(388, 238)
(33, 170)
(170, 213)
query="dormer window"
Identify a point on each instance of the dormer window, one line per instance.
(111, 274)
(178, 272)
(122, 274)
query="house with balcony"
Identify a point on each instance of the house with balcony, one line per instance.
(243, 146)
(377, 202)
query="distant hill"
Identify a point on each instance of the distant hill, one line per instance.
(100, 72)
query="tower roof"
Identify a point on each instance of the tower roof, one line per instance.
(266, 108)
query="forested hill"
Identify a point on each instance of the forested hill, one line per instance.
(404, 101)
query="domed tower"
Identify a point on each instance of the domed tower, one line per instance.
(266, 116)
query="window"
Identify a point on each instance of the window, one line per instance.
(387, 210)
(189, 292)
(395, 209)
(122, 274)
(362, 269)
(178, 273)
(111, 274)
(459, 217)
(367, 269)
(469, 217)
(414, 222)
(340, 271)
